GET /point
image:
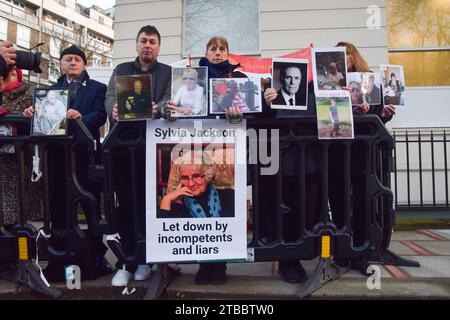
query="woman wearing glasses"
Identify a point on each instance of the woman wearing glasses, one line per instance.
(189, 99)
(195, 196)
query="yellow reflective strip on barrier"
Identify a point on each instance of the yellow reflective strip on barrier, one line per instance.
(326, 251)
(23, 248)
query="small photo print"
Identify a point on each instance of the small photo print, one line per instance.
(242, 93)
(134, 97)
(189, 91)
(329, 68)
(365, 87)
(290, 80)
(195, 181)
(50, 111)
(393, 81)
(334, 115)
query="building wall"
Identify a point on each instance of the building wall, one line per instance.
(285, 26)
(131, 15)
(29, 16)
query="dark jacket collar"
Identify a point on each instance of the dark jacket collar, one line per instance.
(218, 70)
(137, 65)
(62, 81)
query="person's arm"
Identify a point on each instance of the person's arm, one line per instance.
(110, 101)
(166, 201)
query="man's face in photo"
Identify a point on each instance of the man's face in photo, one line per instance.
(291, 79)
(138, 87)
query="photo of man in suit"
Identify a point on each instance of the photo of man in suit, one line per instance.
(293, 80)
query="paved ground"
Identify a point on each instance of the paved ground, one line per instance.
(431, 248)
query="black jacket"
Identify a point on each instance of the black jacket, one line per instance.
(89, 101)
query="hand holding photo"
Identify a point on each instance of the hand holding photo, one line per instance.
(134, 99)
(50, 110)
(290, 79)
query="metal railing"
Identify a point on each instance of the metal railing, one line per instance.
(421, 177)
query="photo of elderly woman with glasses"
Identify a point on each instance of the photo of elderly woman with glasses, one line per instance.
(188, 91)
(197, 190)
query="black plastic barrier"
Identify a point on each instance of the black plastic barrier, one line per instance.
(61, 241)
(330, 199)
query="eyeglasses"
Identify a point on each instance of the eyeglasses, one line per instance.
(188, 78)
(197, 178)
(355, 89)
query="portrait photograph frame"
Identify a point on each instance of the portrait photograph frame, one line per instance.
(334, 117)
(189, 91)
(300, 96)
(322, 60)
(247, 93)
(365, 87)
(217, 166)
(393, 94)
(134, 97)
(50, 112)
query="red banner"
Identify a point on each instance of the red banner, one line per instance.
(264, 65)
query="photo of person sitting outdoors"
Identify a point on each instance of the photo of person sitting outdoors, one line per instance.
(50, 114)
(190, 96)
(196, 194)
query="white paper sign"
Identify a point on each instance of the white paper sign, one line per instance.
(195, 191)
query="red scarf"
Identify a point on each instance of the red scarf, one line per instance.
(12, 85)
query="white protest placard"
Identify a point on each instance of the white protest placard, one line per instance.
(195, 191)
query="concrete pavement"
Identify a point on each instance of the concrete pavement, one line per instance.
(431, 248)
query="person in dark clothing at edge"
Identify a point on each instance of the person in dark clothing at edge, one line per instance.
(87, 103)
(355, 63)
(216, 59)
(148, 41)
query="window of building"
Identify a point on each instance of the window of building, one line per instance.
(3, 29)
(236, 20)
(70, 3)
(16, 3)
(55, 47)
(23, 36)
(96, 60)
(418, 39)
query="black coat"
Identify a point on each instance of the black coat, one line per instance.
(89, 101)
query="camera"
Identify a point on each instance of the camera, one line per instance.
(25, 60)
